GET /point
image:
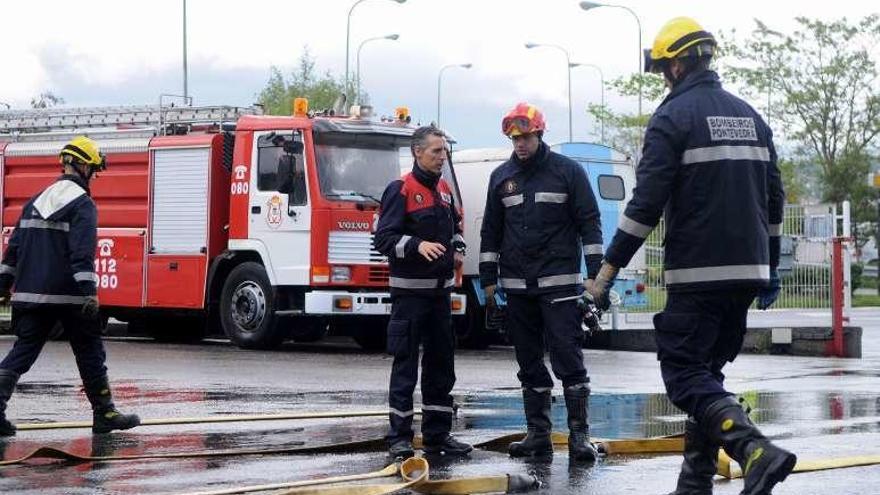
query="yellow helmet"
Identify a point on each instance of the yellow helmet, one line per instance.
(86, 151)
(680, 37)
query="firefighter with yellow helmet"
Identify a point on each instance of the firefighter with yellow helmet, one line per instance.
(50, 262)
(709, 162)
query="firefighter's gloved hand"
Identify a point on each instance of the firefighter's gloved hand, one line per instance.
(490, 295)
(91, 307)
(599, 287)
(768, 295)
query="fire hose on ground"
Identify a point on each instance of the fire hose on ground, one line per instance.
(413, 472)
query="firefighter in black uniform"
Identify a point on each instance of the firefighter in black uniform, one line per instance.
(709, 160)
(540, 216)
(50, 259)
(419, 229)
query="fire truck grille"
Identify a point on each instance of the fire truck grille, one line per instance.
(353, 248)
(378, 274)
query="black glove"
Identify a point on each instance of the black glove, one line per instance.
(90, 307)
(768, 295)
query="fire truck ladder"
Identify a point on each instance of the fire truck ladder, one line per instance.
(160, 117)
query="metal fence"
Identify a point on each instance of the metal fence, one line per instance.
(805, 261)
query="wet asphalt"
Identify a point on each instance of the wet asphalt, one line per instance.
(819, 408)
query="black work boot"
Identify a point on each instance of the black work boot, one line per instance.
(537, 441)
(8, 379)
(577, 402)
(401, 449)
(449, 446)
(763, 464)
(106, 417)
(700, 462)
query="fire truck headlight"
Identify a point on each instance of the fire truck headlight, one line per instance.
(340, 274)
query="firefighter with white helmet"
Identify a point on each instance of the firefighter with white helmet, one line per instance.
(50, 262)
(709, 162)
(541, 222)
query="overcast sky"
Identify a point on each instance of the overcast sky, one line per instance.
(101, 52)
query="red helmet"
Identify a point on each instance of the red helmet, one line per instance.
(525, 118)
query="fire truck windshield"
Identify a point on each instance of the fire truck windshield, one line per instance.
(358, 167)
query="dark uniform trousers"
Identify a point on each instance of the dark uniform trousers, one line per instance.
(33, 327)
(698, 333)
(530, 320)
(425, 320)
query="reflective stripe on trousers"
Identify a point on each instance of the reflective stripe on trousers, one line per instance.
(543, 282)
(420, 283)
(27, 297)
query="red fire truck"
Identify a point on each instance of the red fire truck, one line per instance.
(218, 219)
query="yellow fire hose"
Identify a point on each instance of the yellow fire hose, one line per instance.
(389, 470)
(414, 474)
(637, 446)
(727, 470)
(214, 419)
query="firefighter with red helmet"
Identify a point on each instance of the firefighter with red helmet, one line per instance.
(50, 260)
(541, 222)
(419, 229)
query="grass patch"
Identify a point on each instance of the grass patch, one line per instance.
(861, 301)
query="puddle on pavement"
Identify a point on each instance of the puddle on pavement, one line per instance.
(481, 416)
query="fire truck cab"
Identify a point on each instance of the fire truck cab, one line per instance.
(259, 226)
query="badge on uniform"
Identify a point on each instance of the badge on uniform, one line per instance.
(419, 198)
(510, 186)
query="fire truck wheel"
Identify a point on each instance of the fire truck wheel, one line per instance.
(247, 311)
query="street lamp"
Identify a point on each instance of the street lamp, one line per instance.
(348, 37)
(185, 79)
(439, 80)
(568, 67)
(595, 5)
(602, 92)
(392, 37)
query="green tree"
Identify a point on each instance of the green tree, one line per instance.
(793, 181)
(46, 99)
(624, 131)
(820, 82)
(322, 90)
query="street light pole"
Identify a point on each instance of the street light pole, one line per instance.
(440, 80)
(348, 38)
(568, 68)
(594, 5)
(185, 76)
(392, 37)
(601, 93)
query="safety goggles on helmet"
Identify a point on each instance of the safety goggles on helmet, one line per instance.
(515, 126)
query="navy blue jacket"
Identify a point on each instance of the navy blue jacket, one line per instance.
(419, 207)
(540, 216)
(709, 161)
(51, 254)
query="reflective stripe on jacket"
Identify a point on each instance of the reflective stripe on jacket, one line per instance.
(709, 162)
